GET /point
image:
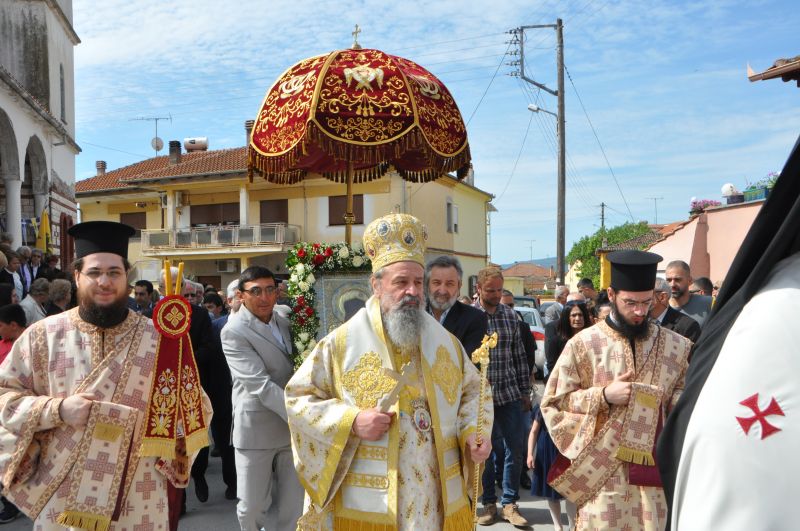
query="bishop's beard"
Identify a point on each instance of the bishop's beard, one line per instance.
(105, 315)
(629, 330)
(403, 322)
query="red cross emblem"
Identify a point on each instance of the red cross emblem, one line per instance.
(760, 416)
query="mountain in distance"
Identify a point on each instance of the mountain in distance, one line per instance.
(543, 262)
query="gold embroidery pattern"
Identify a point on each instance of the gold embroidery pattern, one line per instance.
(368, 481)
(282, 120)
(174, 316)
(453, 470)
(190, 399)
(446, 375)
(164, 403)
(373, 453)
(367, 382)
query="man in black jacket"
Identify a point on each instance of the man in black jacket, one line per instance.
(443, 282)
(669, 317)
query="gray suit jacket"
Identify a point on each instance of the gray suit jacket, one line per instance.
(260, 367)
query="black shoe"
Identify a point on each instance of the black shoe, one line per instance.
(525, 481)
(201, 489)
(9, 513)
(214, 452)
(230, 493)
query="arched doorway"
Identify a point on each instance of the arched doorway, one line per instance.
(34, 186)
(10, 177)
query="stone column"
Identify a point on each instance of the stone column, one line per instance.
(244, 205)
(171, 213)
(14, 209)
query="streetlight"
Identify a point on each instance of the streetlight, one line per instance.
(561, 202)
(535, 108)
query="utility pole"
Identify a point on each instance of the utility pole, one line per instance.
(655, 205)
(603, 219)
(530, 245)
(519, 33)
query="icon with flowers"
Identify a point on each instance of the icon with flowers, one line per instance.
(302, 262)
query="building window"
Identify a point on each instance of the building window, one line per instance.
(218, 214)
(63, 95)
(452, 216)
(137, 220)
(274, 211)
(337, 205)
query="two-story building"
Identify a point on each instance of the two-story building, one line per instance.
(37, 120)
(199, 207)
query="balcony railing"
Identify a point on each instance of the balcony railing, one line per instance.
(221, 236)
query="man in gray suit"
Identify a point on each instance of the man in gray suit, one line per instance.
(257, 344)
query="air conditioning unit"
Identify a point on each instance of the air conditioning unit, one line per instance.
(226, 266)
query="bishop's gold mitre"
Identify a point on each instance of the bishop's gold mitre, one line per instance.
(395, 238)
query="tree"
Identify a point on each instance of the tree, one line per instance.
(585, 248)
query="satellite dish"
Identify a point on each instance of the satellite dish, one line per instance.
(157, 144)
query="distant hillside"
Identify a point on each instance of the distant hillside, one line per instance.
(543, 262)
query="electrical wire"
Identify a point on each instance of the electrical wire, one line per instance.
(603, 151)
(514, 168)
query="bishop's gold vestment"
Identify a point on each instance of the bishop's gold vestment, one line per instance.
(414, 478)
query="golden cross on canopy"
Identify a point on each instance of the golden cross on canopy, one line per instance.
(403, 378)
(355, 33)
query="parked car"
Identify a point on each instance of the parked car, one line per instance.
(534, 320)
(527, 302)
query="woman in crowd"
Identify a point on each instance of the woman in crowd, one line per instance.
(8, 294)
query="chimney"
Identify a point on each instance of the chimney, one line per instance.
(101, 167)
(248, 127)
(174, 152)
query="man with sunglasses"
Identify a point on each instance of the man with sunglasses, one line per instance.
(606, 400)
(258, 345)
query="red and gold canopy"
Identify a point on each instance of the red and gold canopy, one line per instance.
(361, 107)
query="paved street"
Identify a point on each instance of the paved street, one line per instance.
(219, 514)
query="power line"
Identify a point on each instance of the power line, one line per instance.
(111, 149)
(603, 151)
(518, 157)
(490, 84)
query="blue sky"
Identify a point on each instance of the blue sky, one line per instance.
(663, 83)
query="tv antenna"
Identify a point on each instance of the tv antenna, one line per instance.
(157, 144)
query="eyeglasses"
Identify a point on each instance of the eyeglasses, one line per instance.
(257, 291)
(95, 274)
(570, 304)
(632, 304)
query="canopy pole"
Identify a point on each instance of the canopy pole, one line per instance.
(349, 217)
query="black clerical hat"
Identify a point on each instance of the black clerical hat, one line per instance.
(633, 270)
(101, 237)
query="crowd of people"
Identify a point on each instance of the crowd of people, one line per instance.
(323, 429)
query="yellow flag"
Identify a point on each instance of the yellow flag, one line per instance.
(43, 238)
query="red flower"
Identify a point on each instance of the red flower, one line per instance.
(301, 301)
(301, 253)
(328, 252)
(309, 311)
(315, 246)
(301, 321)
(318, 259)
(297, 309)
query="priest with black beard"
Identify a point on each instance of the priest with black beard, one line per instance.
(606, 401)
(74, 392)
